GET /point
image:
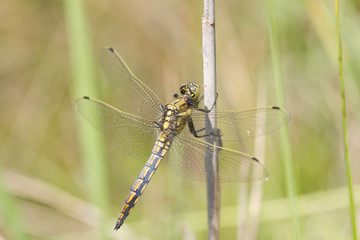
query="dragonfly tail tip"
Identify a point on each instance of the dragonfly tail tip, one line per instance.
(118, 224)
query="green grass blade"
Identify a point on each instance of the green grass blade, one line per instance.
(10, 214)
(84, 83)
(344, 126)
(285, 140)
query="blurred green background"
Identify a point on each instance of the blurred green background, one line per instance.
(50, 190)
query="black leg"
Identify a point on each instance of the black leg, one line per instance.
(205, 110)
(195, 132)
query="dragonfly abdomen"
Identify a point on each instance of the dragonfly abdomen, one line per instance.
(161, 147)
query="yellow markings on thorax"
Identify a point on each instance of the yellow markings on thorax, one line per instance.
(166, 124)
(176, 114)
(180, 105)
(185, 113)
(161, 139)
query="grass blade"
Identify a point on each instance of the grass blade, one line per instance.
(10, 214)
(84, 77)
(344, 126)
(285, 141)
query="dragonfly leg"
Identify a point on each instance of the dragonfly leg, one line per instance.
(215, 133)
(205, 109)
(157, 124)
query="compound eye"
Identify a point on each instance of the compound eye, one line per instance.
(182, 89)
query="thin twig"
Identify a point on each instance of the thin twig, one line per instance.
(209, 64)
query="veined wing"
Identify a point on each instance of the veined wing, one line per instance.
(135, 97)
(133, 135)
(242, 124)
(186, 158)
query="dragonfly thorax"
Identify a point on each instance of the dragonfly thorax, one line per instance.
(174, 116)
(176, 112)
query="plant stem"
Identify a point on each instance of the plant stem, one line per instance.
(92, 149)
(209, 65)
(344, 126)
(285, 141)
(9, 212)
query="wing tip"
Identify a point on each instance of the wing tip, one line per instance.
(287, 119)
(108, 48)
(77, 101)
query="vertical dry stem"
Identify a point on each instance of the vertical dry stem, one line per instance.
(209, 64)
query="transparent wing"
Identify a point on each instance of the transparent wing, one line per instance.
(134, 136)
(186, 158)
(135, 97)
(242, 124)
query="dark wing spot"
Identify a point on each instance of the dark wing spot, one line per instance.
(255, 159)
(111, 49)
(274, 107)
(86, 97)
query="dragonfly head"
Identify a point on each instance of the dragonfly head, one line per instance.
(191, 91)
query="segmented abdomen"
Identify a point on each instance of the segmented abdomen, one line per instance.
(161, 147)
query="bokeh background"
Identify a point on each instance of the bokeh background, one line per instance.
(49, 189)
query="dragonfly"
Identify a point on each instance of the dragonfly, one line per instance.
(144, 128)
